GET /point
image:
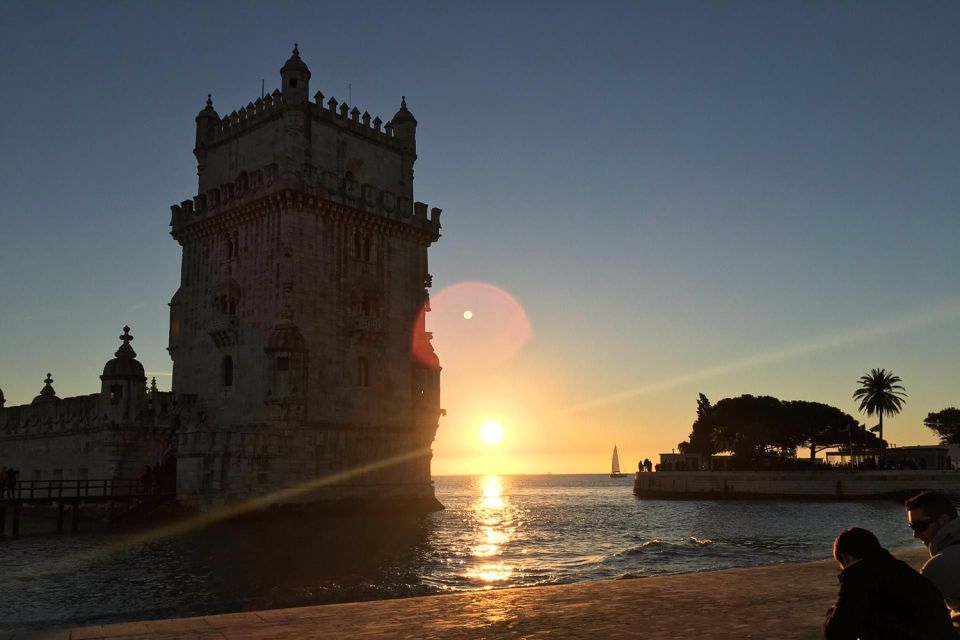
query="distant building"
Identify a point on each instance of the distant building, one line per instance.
(919, 457)
(300, 355)
(691, 461)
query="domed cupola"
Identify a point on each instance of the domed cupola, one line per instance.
(47, 394)
(403, 123)
(124, 365)
(295, 77)
(123, 388)
(206, 120)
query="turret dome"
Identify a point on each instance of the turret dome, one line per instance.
(124, 364)
(47, 394)
(208, 111)
(403, 115)
(294, 63)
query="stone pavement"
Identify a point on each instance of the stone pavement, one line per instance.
(779, 602)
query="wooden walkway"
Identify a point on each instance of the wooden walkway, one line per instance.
(70, 493)
(785, 602)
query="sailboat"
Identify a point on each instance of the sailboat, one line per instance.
(615, 465)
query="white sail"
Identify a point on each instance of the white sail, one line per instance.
(615, 464)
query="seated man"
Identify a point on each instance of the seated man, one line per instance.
(934, 521)
(882, 597)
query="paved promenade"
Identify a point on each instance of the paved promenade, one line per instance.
(780, 601)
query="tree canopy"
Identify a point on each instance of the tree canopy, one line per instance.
(880, 394)
(946, 424)
(756, 429)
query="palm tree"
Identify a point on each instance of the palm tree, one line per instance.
(880, 393)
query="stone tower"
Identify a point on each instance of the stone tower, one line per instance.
(300, 357)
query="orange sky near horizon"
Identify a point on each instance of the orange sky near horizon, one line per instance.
(495, 367)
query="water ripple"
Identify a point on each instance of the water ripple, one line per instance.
(496, 532)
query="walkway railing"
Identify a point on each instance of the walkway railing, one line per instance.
(96, 488)
(73, 493)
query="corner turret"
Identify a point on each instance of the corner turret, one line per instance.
(124, 386)
(405, 125)
(404, 130)
(207, 121)
(295, 77)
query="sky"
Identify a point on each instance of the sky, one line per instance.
(642, 201)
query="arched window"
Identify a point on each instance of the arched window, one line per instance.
(363, 373)
(366, 248)
(357, 245)
(227, 371)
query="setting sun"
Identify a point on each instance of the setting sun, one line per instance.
(491, 432)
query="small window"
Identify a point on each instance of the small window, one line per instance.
(227, 374)
(363, 373)
(83, 473)
(283, 363)
(293, 83)
(58, 474)
(366, 248)
(116, 393)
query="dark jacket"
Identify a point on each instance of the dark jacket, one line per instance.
(943, 567)
(882, 598)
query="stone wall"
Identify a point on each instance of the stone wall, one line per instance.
(70, 439)
(793, 484)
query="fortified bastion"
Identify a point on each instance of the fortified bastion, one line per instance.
(300, 355)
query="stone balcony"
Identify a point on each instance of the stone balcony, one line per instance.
(367, 324)
(224, 329)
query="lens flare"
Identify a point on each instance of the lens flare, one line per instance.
(498, 327)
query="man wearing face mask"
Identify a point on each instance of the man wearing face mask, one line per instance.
(934, 521)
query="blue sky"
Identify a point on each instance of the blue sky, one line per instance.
(666, 188)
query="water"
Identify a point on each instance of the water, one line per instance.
(496, 532)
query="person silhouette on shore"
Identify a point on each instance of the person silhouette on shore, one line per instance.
(11, 481)
(933, 519)
(882, 597)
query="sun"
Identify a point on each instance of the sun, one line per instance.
(491, 432)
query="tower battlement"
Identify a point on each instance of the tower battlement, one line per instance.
(331, 111)
(327, 186)
(286, 140)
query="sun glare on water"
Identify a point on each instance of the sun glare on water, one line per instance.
(491, 433)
